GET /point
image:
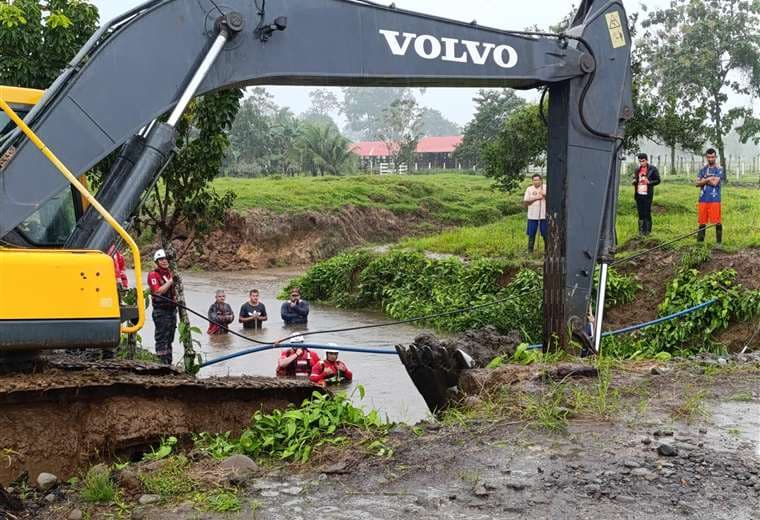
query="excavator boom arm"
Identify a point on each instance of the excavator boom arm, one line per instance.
(138, 67)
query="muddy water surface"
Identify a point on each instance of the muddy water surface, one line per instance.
(388, 387)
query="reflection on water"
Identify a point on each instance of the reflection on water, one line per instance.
(388, 386)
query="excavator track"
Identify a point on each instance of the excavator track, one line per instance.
(67, 411)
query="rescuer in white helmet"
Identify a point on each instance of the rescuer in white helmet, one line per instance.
(161, 283)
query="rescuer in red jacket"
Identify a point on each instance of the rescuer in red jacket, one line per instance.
(330, 371)
(296, 362)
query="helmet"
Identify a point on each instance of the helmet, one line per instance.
(158, 255)
(328, 352)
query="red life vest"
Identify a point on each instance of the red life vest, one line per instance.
(300, 367)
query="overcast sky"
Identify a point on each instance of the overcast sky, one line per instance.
(455, 104)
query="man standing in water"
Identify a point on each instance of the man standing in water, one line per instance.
(253, 313)
(708, 180)
(219, 314)
(161, 283)
(295, 311)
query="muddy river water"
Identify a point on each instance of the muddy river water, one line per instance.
(388, 387)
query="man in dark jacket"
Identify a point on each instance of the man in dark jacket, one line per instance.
(220, 315)
(295, 311)
(644, 181)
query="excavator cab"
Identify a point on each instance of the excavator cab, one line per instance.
(52, 298)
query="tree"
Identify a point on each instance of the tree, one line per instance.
(678, 127)
(251, 133)
(38, 39)
(324, 150)
(704, 51)
(323, 103)
(363, 109)
(185, 204)
(521, 142)
(493, 108)
(284, 132)
(401, 130)
(435, 124)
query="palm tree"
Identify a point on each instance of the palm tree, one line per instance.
(324, 150)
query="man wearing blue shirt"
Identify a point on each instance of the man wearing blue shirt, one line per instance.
(708, 181)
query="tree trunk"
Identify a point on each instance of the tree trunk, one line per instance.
(184, 319)
(673, 160)
(723, 160)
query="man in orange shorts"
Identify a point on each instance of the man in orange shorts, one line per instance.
(708, 180)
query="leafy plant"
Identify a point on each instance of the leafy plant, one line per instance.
(693, 332)
(164, 450)
(293, 433)
(187, 335)
(621, 289)
(218, 446)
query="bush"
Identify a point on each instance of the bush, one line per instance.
(294, 433)
(408, 285)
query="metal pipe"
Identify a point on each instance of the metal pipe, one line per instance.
(600, 308)
(199, 76)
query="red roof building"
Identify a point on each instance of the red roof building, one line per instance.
(427, 145)
(432, 152)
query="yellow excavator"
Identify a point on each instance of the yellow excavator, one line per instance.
(122, 96)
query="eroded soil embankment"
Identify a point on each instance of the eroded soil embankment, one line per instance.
(57, 421)
(260, 238)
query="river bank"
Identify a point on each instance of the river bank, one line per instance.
(665, 441)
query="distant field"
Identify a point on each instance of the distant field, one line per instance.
(674, 214)
(447, 197)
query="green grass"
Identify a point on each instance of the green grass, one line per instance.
(674, 214)
(97, 486)
(218, 501)
(446, 197)
(170, 480)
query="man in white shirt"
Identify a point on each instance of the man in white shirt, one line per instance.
(535, 201)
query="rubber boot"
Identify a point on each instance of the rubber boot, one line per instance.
(719, 233)
(701, 234)
(531, 243)
(641, 227)
(647, 226)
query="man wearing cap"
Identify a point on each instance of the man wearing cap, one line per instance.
(161, 283)
(330, 371)
(295, 311)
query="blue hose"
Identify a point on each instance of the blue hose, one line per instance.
(297, 345)
(394, 353)
(647, 323)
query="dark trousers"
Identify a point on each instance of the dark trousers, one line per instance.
(533, 227)
(165, 322)
(644, 208)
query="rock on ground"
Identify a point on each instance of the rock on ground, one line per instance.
(46, 481)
